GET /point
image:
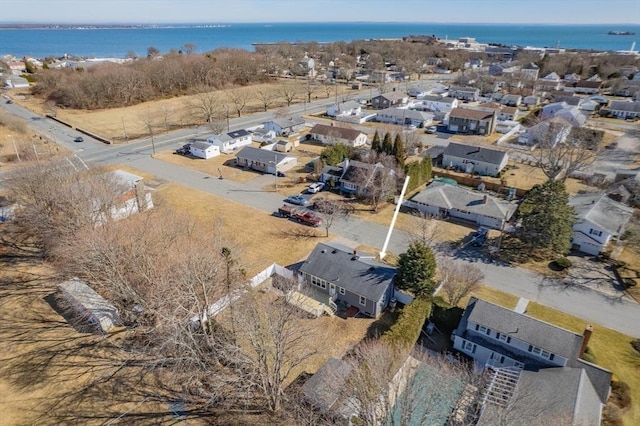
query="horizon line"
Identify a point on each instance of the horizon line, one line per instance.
(314, 22)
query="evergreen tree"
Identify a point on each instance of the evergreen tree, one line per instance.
(547, 218)
(398, 150)
(387, 145)
(376, 143)
(416, 269)
(334, 154)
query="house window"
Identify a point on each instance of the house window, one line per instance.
(469, 347)
(341, 289)
(332, 287)
(536, 350)
(551, 357)
(502, 360)
(363, 300)
(595, 232)
(518, 364)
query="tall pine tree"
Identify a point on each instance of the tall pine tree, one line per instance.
(376, 143)
(398, 150)
(416, 270)
(387, 145)
(546, 218)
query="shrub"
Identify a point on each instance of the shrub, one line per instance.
(620, 394)
(406, 331)
(612, 415)
(589, 356)
(563, 262)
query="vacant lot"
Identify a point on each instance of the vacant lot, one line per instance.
(123, 124)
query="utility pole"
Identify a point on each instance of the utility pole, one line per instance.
(16, 149)
(226, 107)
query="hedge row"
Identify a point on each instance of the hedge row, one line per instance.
(406, 330)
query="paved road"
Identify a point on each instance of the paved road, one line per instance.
(615, 312)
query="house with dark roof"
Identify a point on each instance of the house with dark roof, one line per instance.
(530, 71)
(474, 159)
(349, 277)
(330, 135)
(359, 177)
(285, 126)
(600, 220)
(441, 199)
(625, 109)
(472, 121)
(531, 362)
(265, 160)
(388, 100)
(583, 86)
(229, 142)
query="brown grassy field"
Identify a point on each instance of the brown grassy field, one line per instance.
(123, 124)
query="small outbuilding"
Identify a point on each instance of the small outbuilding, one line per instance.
(94, 313)
(204, 150)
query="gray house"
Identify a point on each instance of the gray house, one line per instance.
(535, 368)
(464, 93)
(264, 160)
(388, 100)
(474, 159)
(442, 200)
(349, 277)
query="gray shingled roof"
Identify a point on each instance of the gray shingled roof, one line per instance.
(406, 113)
(550, 393)
(477, 153)
(447, 196)
(337, 131)
(522, 327)
(356, 273)
(601, 210)
(625, 106)
(260, 155)
(285, 122)
(325, 387)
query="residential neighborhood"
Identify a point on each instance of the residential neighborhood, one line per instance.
(350, 238)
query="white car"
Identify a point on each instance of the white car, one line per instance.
(314, 188)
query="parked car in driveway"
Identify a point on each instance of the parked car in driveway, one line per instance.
(316, 187)
(298, 200)
(431, 129)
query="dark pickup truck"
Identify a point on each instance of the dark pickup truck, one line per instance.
(300, 215)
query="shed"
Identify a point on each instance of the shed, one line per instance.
(204, 150)
(92, 309)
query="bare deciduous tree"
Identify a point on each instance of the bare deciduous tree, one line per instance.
(458, 279)
(267, 96)
(288, 92)
(559, 158)
(239, 100)
(331, 210)
(207, 103)
(378, 179)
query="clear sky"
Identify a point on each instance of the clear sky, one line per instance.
(224, 11)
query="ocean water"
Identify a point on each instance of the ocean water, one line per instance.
(117, 42)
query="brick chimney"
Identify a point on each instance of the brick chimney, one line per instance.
(588, 330)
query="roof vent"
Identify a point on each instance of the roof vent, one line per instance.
(334, 251)
(323, 251)
(355, 257)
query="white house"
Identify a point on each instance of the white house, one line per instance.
(330, 135)
(344, 108)
(600, 219)
(264, 160)
(443, 200)
(204, 150)
(135, 196)
(404, 117)
(439, 104)
(263, 135)
(551, 132)
(229, 142)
